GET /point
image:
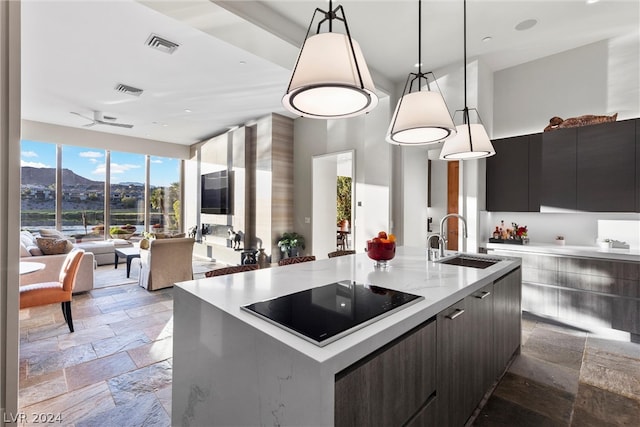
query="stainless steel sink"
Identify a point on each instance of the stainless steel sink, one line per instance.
(469, 261)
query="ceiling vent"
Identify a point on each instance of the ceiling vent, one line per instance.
(163, 45)
(129, 90)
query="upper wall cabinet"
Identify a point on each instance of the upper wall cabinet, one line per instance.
(591, 169)
(558, 170)
(513, 174)
(606, 167)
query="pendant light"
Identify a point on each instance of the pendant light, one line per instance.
(421, 117)
(471, 141)
(330, 79)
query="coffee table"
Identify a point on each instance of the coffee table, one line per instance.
(128, 253)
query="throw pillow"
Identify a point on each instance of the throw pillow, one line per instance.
(34, 251)
(23, 250)
(27, 238)
(49, 232)
(52, 246)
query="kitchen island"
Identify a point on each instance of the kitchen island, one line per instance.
(233, 368)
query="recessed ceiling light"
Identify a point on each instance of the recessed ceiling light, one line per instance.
(592, 1)
(526, 24)
(243, 62)
(186, 110)
(165, 125)
(487, 39)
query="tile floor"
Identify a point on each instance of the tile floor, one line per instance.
(115, 370)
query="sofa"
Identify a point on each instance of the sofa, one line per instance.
(29, 251)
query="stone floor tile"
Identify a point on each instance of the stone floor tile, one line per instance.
(53, 330)
(132, 385)
(160, 330)
(54, 360)
(36, 321)
(103, 319)
(164, 396)
(549, 402)
(77, 404)
(118, 343)
(84, 336)
(555, 347)
(161, 318)
(624, 348)
(80, 312)
(596, 405)
(499, 412)
(97, 370)
(145, 310)
(153, 352)
(612, 372)
(556, 376)
(32, 348)
(146, 410)
(43, 387)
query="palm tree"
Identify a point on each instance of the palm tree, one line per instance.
(157, 202)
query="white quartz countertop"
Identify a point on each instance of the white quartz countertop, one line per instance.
(441, 285)
(579, 251)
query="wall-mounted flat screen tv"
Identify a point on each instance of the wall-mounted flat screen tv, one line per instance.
(216, 193)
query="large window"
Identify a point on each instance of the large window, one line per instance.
(78, 206)
(164, 199)
(83, 176)
(38, 185)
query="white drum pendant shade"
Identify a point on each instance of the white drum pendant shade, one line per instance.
(420, 118)
(325, 83)
(460, 148)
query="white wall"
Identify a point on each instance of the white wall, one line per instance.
(599, 78)
(363, 134)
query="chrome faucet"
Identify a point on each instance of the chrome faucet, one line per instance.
(442, 222)
(431, 256)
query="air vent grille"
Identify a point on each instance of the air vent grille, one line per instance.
(161, 44)
(129, 90)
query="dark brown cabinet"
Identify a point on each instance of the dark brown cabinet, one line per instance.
(507, 303)
(476, 339)
(558, 173)
(591, 168)
(454, 363)
(393, 386)
(606, 167)
(513, 174)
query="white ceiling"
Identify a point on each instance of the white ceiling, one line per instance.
(234, 56)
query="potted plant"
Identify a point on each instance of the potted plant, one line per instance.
(290, 242)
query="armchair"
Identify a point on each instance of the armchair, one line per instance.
(46, 293)
(166, 262)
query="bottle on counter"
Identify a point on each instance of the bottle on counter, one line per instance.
(496, 233)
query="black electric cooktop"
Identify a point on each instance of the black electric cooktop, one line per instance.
(324, 314)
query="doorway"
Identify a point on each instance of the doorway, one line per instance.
(453, 181)
(332, 173)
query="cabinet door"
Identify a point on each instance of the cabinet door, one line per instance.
(508, 175)
(391, 385)
(479, 307)
(454, 394)
(558, 179)
(535, 172)
(606, 167)
(507, 321)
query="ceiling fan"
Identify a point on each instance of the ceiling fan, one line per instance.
(100, 119)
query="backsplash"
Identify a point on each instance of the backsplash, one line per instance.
(581, 229)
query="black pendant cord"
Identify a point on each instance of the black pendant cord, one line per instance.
(419, 44)
(465, 114)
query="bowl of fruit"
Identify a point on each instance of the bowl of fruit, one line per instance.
(382, 248)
